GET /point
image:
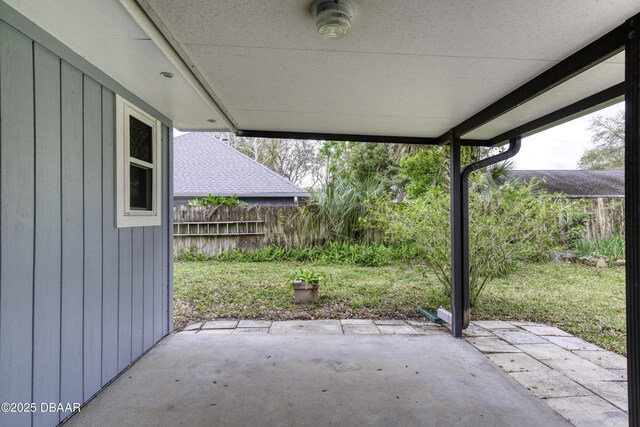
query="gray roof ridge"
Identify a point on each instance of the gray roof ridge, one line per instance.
(271, 171)
(202, 136)
(263, 166)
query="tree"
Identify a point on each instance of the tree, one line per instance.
(296, 160)
(424, 170)
(333, 157)
(358, 162)
(428, 168)
(608, 140)
(368, 161)
(355, 173)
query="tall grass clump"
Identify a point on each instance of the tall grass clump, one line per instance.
(611, 248)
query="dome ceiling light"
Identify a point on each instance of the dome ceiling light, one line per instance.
(333, 17)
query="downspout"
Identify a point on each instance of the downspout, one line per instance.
(460, 272)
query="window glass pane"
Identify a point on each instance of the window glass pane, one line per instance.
(140, 188)
(140, 140)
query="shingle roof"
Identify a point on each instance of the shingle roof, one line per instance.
(204, 165)
(577, 183)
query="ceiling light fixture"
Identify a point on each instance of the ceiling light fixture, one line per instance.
(333, 17)
(211, 120)
(166, 74)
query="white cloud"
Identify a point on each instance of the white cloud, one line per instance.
(559, 147)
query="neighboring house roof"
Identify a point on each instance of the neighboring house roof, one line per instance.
(577, 183)
(205, 165)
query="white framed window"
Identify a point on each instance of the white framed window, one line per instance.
(138, 160)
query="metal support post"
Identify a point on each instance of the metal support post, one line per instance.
(632, 214)
(460, 285)
(457, 243)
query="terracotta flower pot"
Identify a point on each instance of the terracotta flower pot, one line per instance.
(304, 292)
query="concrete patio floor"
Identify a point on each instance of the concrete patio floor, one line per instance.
(358, 372)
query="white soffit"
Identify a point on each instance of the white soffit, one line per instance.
(406, 68)
(104, 34)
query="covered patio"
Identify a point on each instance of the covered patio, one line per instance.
(350, 372)
(86, 274)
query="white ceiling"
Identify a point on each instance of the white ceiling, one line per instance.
(407, 67)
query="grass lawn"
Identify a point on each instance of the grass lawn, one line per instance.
(569, 296)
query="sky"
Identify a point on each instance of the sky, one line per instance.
(557, 148)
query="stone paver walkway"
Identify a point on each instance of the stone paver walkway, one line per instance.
(348, 327)
(582, 382)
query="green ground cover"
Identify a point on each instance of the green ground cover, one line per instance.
(579, 299)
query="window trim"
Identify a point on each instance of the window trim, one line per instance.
(127, 217)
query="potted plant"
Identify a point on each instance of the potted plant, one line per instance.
(304, 282)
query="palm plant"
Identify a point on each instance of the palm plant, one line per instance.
(340, 205)
(498, 174)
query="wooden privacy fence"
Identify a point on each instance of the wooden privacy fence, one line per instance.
(607, 218)
(216, 229)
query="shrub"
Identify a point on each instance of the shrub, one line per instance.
(216, 201)
(193, 254)
(332, 253)
(372, 256)
(507, 225)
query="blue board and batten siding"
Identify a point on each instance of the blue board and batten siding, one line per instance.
(80, 299)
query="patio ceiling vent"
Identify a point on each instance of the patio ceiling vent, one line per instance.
(333, 17)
